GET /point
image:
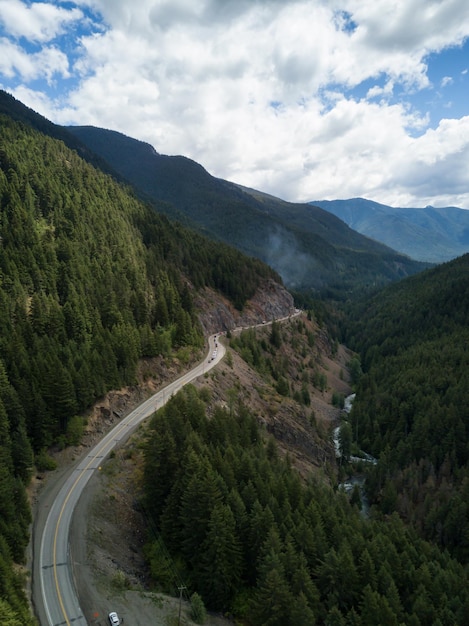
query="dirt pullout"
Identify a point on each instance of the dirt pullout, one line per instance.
(108, 535)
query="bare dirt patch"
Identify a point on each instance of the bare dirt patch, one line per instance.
(108, 537)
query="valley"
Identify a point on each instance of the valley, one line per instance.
(108, 528)
(110, 282)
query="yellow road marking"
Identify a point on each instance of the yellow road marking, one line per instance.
(57, 586)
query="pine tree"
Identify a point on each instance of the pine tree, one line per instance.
(335, 618)
(302, 584)
(275, 335)
(260, 522)
(198, 612)
(337, 577)
(345, 441)
(301, 613)
(366, 570)
(376, 609)
(273, 598)
(161, 466)
(220, 570)
(200, 497)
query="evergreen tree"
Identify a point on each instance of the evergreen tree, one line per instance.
(198, 612)
(345, 441)
(199, 499)
(220, 569)
(337, 578)
(301, 613)
(335, 618)
(273, 599)
(375, 609)
(275, 335)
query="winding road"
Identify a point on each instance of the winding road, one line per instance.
(54, 595)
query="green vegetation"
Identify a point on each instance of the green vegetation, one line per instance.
(411, 404)
(311, 249)
(198, 613)
(297, 374)
(235, 522)
(91, 281)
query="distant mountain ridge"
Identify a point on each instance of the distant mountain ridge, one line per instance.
(309, 247)
(314, 252)
(429, 234)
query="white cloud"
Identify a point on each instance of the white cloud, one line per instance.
(13, 59)
(35, 100)
(38, 22)
(386, 26)
(437, 167)
(258, 91)
(46, 63)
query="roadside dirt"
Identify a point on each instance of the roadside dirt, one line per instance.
(109, 565)
(109, 529)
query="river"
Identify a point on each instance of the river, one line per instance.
(364, 457)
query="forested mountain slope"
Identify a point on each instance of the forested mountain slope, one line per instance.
(232, 520)
(427, 234)
(309, 247)
(18, 112)
(91, 280)
(411, 404)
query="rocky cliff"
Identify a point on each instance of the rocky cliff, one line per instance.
(271, 301)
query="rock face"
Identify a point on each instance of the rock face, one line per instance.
(271, 301)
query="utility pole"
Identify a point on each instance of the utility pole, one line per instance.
(181, 589)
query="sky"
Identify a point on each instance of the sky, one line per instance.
(302, 99)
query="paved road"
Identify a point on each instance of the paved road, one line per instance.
(54, 592)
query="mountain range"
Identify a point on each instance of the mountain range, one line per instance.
(99, 291)
(429, 234)
(310, 248)
(313, 251)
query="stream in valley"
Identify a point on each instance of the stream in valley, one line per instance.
(354, 479)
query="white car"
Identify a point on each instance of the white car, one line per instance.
(113, 619)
